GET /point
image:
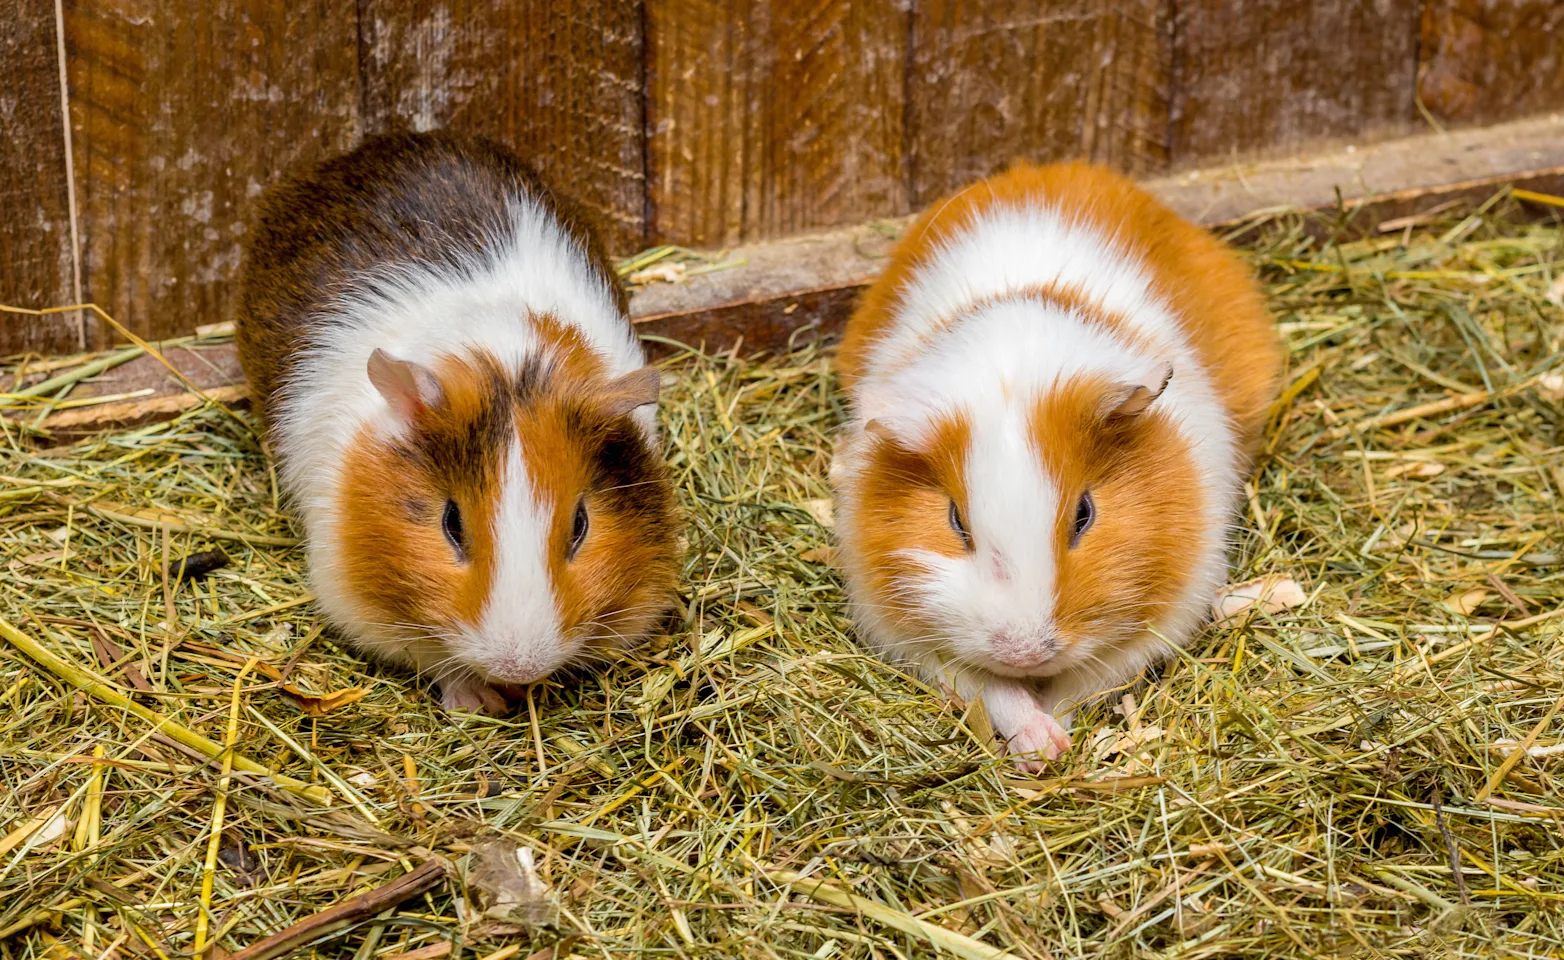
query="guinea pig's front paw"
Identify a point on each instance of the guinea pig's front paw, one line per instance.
(1040, 736)
(472, 695)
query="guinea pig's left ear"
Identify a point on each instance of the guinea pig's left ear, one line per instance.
(1130, 399)
(409, 388)
(635, 389)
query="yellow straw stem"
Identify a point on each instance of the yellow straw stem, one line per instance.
(219, 807)
(106, 692)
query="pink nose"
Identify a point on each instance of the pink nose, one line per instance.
(1022, 650)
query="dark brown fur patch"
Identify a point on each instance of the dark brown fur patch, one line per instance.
(427, 200)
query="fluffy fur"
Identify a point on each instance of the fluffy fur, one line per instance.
(511, 392)
(1013, 358)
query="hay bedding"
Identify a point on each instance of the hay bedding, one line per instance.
(1367, 769)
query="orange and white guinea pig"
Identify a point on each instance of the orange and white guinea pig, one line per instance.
(462, 417)
(1056, 389)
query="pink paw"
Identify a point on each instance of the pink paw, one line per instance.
(1040, 739)
(472, 695)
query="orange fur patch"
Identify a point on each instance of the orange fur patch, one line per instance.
(905, 496)
(1132, 561)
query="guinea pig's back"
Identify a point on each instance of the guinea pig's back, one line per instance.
(1211, 293)
(1208, 290)
(414, 202)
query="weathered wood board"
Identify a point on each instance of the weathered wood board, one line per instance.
(558, 82)
(1486, 60)
(990, 83)
(36, 268)
(770, 119)
(1269, 76)
(181, 112)
(799, 288)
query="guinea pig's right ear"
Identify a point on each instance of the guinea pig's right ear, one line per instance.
(409, 388)
(879, 431)
(1129, 399)
(635, 389)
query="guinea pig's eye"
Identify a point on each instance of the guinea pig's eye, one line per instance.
(451, 523)
(578, 527)
(1085, 513)
(958, 525)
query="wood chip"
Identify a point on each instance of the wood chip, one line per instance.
(1271, 594)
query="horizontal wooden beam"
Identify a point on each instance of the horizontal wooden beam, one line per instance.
(792, 290)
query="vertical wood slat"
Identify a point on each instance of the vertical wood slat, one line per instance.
(560, 82)
(773, 118)
(35, 228)
(996, 81)
(182, 111)
(1488, 60)
(1272, 75)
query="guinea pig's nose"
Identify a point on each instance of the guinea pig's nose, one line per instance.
(1022, 650)
(519, 670)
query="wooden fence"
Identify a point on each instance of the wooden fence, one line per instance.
(134, 133)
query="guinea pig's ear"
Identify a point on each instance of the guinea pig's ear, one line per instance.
(410, 388)
(879, 431)
(635, 389)
(1130, 399)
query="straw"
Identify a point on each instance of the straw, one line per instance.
(1322, 780)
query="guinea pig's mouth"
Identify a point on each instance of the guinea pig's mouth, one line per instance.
(1024, 653)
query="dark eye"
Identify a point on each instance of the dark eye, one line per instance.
(451, 523)
(958, 525)
(1085, 513)
(578, 527)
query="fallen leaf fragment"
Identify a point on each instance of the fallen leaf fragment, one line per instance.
(319, 706)
(1551, 385)
(1416, 469)
(822, 510)
(507, 877)
(659, 273)
(1463, 602)
(1555, 294)
(1272, 594)
(30, 826)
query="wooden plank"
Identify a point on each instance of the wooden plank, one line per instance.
(770, 119)
(559, 82)
(804, 287)
(183, 110)
(996, 81)
(35, 218)
(1272, 75)
(1489, 60)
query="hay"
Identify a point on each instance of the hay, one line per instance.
(1369, 770)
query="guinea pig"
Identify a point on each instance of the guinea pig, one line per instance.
(1056, 389)
(461, 415)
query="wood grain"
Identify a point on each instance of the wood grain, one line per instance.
(1271, 75)
(183, 110)
(773, 118)
(559, 82)
(1487, 60)
(35, 223)
(996, 81)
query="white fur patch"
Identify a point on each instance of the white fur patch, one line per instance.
(518, 639)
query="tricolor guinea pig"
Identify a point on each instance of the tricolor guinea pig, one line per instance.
(1056, 389)
(461, 415)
